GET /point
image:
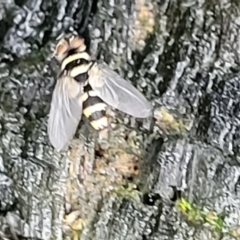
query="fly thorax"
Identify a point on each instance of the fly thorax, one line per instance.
(78, 69)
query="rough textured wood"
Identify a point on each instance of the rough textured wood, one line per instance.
(184, 56)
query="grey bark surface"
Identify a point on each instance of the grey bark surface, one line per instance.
(184, 56)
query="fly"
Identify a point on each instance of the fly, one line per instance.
(86, 86)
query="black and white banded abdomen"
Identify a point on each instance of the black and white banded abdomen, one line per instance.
(94, 109)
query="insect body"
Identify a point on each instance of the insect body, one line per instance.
(87, 86)
(94, 108)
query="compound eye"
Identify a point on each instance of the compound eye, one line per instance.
(61, 48)
(77, 42)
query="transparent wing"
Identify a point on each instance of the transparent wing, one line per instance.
(65, 112)
(117, 92)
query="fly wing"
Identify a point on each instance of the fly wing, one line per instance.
(117, 92)
(65, 112)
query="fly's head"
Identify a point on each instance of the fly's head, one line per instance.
(69, 43)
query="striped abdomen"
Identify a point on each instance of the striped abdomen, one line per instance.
(94, 109)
